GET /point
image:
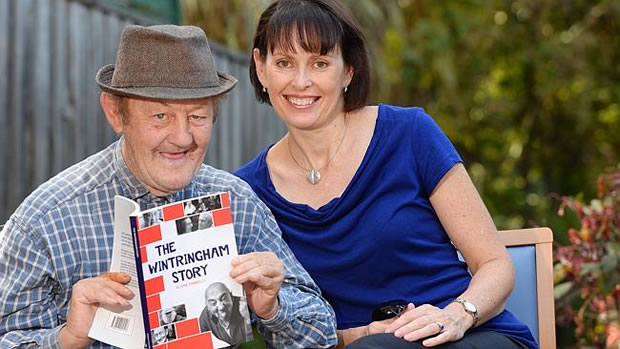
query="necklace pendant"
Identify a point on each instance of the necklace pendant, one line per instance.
(313, 176)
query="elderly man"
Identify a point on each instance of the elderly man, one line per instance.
(161, 96)
(205, 220)
(170, 315)
(184, 225)
(222, 315)
(160, 335)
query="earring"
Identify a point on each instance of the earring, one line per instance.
(264, 89)
(346, 88)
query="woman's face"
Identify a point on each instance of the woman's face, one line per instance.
(306, 89)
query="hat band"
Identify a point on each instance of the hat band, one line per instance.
(192, 79)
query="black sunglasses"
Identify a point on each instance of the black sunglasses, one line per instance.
(388, 311)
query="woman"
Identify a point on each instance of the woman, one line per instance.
(372, 198)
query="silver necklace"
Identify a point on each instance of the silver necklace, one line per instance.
(313, 175)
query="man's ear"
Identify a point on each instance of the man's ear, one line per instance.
(260, 66)
(112, 111)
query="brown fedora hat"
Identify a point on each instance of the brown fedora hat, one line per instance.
(164, 62)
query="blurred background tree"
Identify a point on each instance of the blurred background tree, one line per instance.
(527, 90)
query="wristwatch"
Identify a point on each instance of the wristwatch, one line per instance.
(470, 309)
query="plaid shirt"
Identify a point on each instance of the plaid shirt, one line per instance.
(63, 232)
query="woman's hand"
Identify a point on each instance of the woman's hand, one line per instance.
(437, 325)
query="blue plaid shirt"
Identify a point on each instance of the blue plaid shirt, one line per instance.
(63, 232)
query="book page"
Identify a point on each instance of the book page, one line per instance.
(124, 329)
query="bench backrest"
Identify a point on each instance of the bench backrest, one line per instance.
(531, 301)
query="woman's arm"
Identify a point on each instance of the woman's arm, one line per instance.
(470, 227)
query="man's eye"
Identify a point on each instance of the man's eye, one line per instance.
(160, 116)
(199, 119)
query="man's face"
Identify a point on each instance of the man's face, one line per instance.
(219, 302)
(204, 220)
(188, 224)
(169, 315)
(166, 141)
(159, 334)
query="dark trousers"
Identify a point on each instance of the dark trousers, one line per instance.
(472, 340)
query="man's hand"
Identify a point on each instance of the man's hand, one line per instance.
(105, 290)
(261, 274)
(349, 335)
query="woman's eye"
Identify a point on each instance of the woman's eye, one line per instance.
(320, 64)
(283, 64)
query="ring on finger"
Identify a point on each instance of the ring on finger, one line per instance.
(440, 325)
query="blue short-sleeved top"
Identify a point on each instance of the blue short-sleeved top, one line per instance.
(381, 241)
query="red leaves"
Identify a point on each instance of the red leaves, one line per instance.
(591, 265)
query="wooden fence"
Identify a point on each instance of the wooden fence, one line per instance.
(50, 117)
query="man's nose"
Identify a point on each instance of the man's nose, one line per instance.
(181, 133)
(221, 306)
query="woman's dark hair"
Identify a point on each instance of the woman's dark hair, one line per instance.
(320, 26)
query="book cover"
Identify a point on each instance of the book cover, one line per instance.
(180, 258)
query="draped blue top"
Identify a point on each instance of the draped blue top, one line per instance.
(381, 241)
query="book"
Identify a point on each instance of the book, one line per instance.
(179, 257)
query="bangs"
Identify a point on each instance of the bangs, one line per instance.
(313, 30)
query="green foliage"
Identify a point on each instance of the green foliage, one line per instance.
(587, 271)
(160, 11)
(525, 89)
(528, 90)
(230, 22)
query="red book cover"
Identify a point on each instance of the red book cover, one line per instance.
(183, 254)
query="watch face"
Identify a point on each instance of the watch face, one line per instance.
(470, 307)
